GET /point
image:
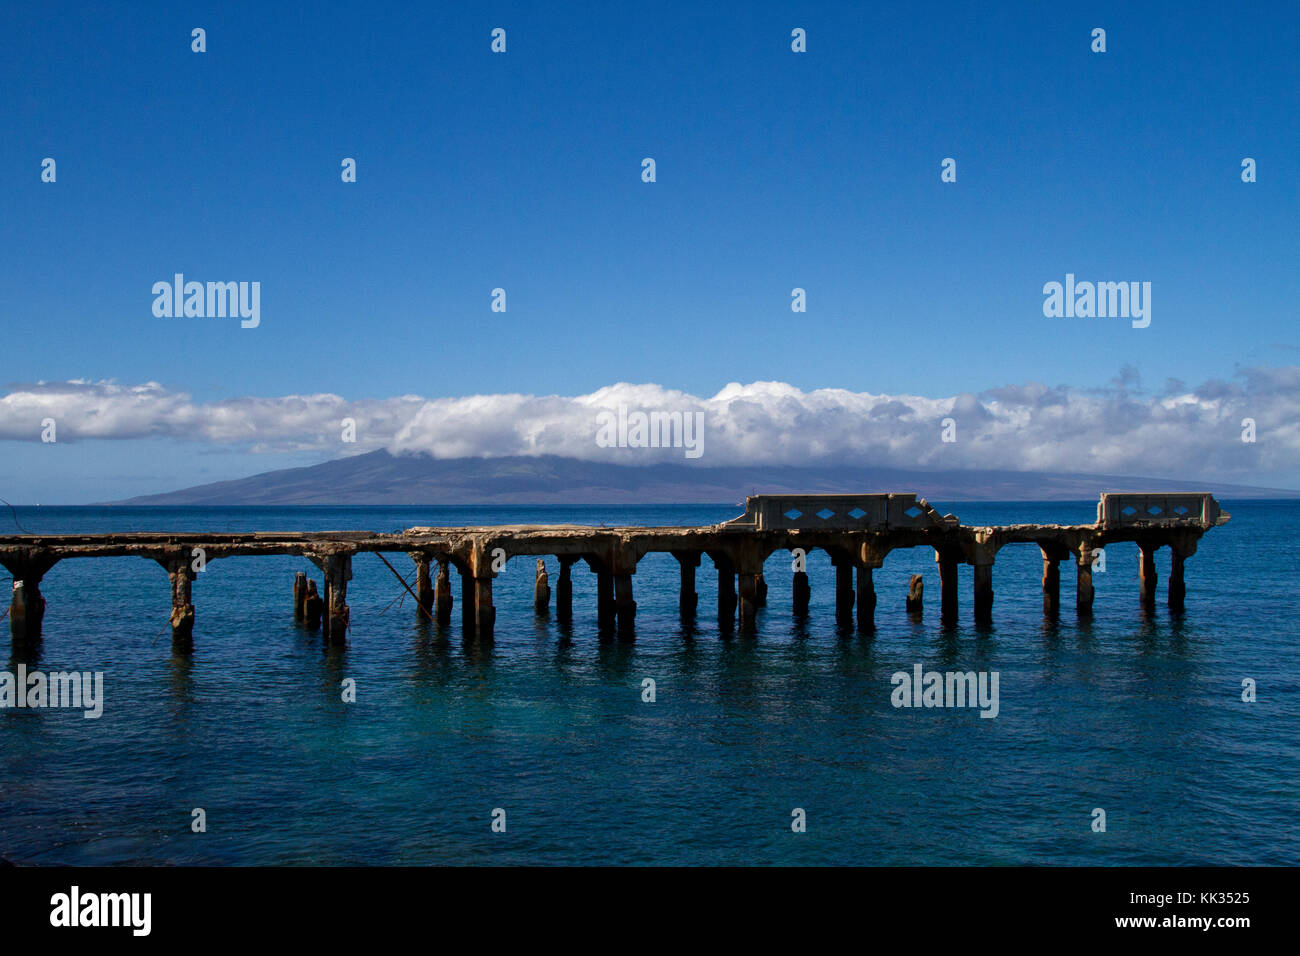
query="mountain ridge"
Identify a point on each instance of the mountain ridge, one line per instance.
(382, 478)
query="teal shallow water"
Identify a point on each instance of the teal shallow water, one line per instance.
(1139, 716)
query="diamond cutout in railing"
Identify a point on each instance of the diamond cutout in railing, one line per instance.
(1130, 511)
(1154, 509)
(913, 512)
(794, 514)
(1181, 510)
(825, 513)
(857, 513)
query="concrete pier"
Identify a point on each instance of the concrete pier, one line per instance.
(857, 532)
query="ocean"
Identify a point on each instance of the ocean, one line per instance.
(1140, 716)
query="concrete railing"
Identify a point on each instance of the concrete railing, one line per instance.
(878, 512)
(1159, 510)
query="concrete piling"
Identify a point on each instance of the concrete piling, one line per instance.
(844, 594)
(983, 585)
(688, 600)
(916, 595)
(866, 598)
(541, 589)
(606, 608)
(338, 572)
(1051, 586)
(947, 561)
(181, 575)
(624, 604)
(299, 596)
(442, 594)
(564, 590)
(802, 593)
(312, 606)
(26, 612)
(423, 586)
(1147, 574)
(1083, 592)
(485, 613)
(727, 600)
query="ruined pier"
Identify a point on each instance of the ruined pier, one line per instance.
(858, 532)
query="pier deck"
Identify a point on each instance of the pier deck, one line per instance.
(856, 531)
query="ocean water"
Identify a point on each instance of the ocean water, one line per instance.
(1140, 716)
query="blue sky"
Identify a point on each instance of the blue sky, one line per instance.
(522, 171)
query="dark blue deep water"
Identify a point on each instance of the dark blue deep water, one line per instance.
(1141, 717)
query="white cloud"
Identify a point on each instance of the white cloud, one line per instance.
(1193, 432)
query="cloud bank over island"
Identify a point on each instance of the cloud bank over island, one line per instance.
(1194, 432)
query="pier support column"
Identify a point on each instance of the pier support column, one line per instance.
(485, 613)
(748, 603)
(624, 604)
(983, 575)
(981, 554)
(1083, 585)
(27, 605)
(866, 598)
(947, 561)
(26, 611)
(312, 606)
(442, 600)
(688, 600)
(338, 572)
(468, 620)
(564, 590)
(916, 595)
(727, 601)
(181, 574)
(1181, 547)
(802, 594)
(606, 608)
(423, 586)
(1147, 573)
(760, 590)
(299, 596)
(1051, 586)
(542, 589)
(844, 595)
